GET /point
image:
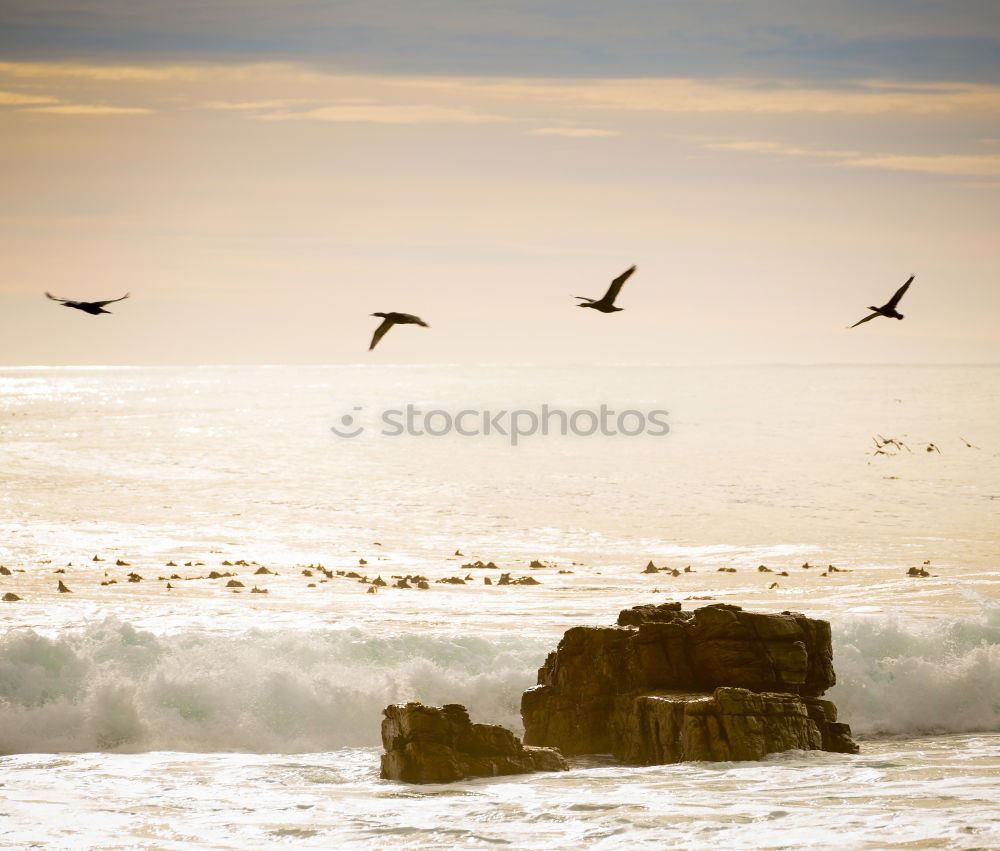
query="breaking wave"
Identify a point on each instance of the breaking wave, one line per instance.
(111, 687)
(896, 678)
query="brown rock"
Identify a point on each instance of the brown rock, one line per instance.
(609, 689)
(427, 744)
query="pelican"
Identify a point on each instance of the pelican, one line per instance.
(606, 303)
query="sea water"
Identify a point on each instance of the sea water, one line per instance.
(133, 715)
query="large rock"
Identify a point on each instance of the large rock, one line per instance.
(667, 685)
(427, 744)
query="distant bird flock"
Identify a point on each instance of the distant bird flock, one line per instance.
(604, 304)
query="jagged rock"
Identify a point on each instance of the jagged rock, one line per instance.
(598, 691)
(428, 744)
(728, 724)
(4, 571)
(917, 571)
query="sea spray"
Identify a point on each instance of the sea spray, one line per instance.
(915, 678)
(112, 687)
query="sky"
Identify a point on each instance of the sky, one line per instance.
(262, 176)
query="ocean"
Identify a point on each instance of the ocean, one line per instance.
(137, 715)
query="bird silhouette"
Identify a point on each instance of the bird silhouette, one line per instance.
(889, 308)
(606, 303)
(94, 308)
(390, 319)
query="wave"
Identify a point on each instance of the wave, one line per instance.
(899, 678)
(112, 687)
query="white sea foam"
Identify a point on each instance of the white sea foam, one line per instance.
(113, 687)
(917, 678)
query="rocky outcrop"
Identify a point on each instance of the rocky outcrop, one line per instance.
(667, 685)
(427, 744)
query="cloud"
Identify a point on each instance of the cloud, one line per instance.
(930, 39)
(90, 109)
(572, 132)
(682, 95)
(762, 146)
(959, 165)
(18, 99)
(383, 113)
(280, 86)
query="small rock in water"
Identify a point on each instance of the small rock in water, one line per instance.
(651, 568)
(917, 571)
(427, 744)
(256, 590)
(10, 597)
(122, 563)
(261, 570)
(63, 589)
(4, 571)
(95, 558)
(763, 568)
(234, 583)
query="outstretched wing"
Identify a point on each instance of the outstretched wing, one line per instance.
(899, 293)
(111, 300)
(616, 285)
(56, 298)
(380, 332)
(411, 319)
(869, 316)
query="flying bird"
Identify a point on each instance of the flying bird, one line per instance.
(390, 319)
(889, 308)
(94, 308)
(606, 303)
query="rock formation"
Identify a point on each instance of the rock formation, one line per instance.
(666, 685)
(427, 744)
